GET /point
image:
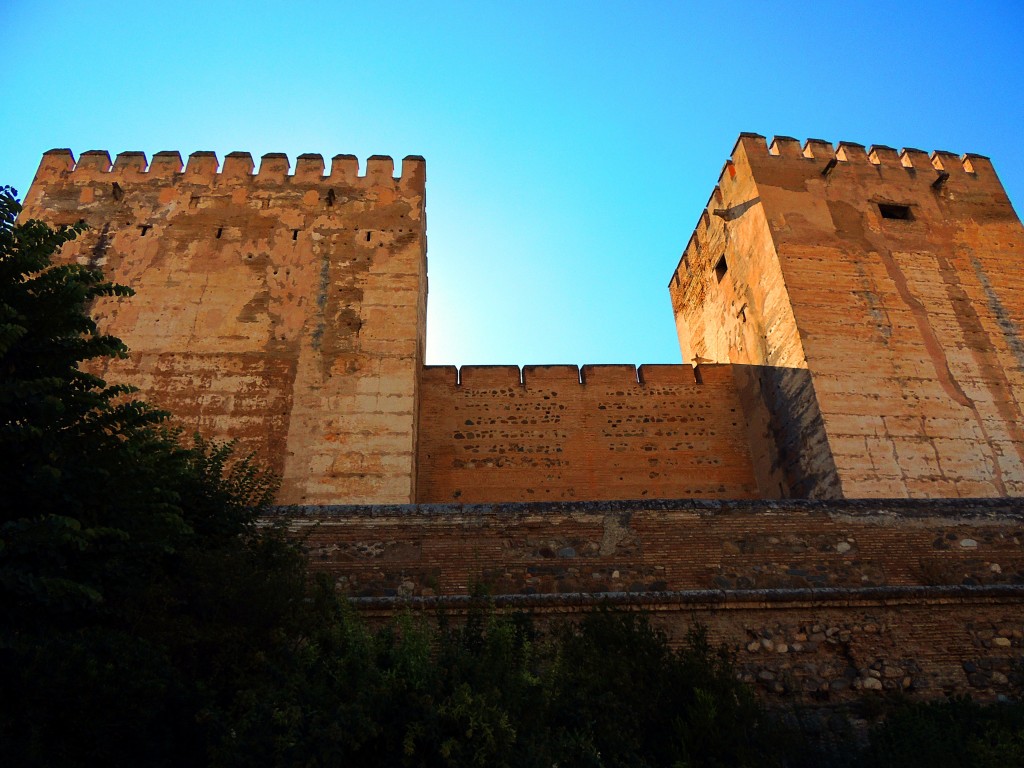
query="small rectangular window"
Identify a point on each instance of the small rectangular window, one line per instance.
(721, 268)
(892, 211)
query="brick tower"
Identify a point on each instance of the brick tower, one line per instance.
(872, 303)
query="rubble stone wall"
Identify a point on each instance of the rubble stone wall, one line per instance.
(818, 599)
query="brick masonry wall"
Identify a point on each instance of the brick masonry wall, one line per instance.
(912, 327)
(818, 599)
(487, 436)
(286, 311)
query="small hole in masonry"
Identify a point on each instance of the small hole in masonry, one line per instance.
(721, 267)
(892, 211)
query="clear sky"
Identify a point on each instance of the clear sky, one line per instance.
(570, 145)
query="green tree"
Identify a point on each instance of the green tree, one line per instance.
(954, 733)
(139, 597)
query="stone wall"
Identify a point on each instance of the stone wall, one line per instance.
(491, 433)
(286, 311)
(818, 599)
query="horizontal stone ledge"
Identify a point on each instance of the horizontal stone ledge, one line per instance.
(949, 510)
(776, 599)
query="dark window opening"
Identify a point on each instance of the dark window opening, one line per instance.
(368, 236)
(892, 211)
(330, 197)
(143, 229)
(721, 267)
(295, 234)
(116, 190)
(220, 231)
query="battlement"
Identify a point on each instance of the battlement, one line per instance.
(787, 147)
(817, 157)
(530, 376)
(238, 169)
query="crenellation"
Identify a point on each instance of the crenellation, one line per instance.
(946, 161)
(704, 222)
(344, 169)
(887, 271)
(785, 146)
(819, 149)
(256, 301)
(167, 164)
(444, 375)
(917, 159)
(380, 169)
(851, 152)
(490, 376)
(610, 375)
(714, 374)
(237, 166)
(204, 168)
(880, 154)
(201, 167)
(309, 167)
(550, 375)
(274, 167)
(57, 161)
(744, 310)
(129, 166)
(754, 145)
(414, 173)
(728, 171)
(659, 375)
(92, 163)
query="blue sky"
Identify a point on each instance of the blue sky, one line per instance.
(570, 146)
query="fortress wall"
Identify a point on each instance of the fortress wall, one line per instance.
(558, 432)
(812, 595)
(286, 311)
(912, 328)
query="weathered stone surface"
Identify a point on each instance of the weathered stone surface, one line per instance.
(878, 303)
(285, 311)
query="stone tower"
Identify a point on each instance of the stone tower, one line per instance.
(287, 311)
(872, 305)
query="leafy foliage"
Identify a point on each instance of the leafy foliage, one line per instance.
(955, 733)
(127, 562)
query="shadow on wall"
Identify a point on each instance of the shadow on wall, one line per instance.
(789, 448)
